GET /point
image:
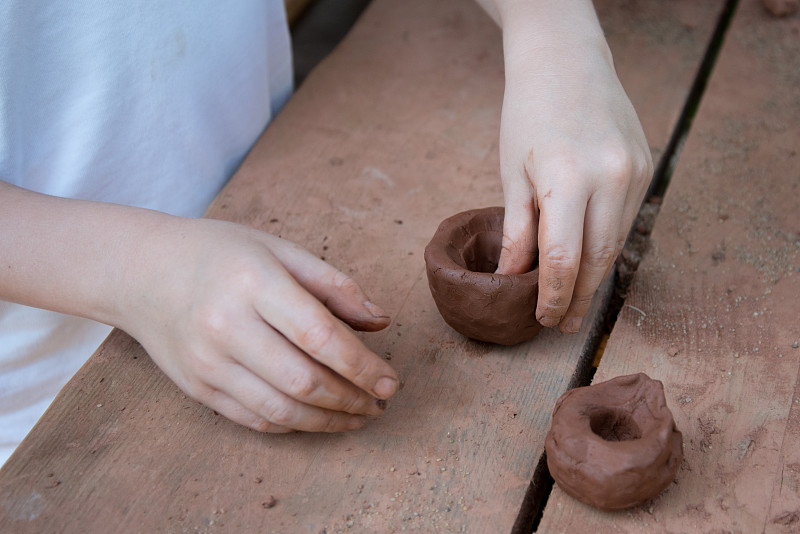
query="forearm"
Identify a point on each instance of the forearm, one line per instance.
(544, 17)
(533, 27)
(71, 256)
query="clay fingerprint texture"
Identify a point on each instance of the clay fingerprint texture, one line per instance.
(460, 262)
(614, 445)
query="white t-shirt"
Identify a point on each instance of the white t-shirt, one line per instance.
(145, 103)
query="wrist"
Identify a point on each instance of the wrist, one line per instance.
(550, 34)
(145, 267)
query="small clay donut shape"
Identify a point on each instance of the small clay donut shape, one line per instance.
(461, 260)
(614, 445)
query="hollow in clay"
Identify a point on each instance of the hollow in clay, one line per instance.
(614, 445)
(461, 260)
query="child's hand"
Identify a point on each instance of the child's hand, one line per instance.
(574, 160)
(245, 323)
(241, 320)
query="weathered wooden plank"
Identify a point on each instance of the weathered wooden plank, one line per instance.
(394, 132)
(713, 311)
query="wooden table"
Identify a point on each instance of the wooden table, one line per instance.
(395, 131)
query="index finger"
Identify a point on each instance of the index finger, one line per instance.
(518, 250)
(305, 322)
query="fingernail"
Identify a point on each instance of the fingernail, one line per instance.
(356, 422)
(375, 310)
(385, 387)
(574, 324)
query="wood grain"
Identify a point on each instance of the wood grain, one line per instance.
(394, 132)
(714, 309)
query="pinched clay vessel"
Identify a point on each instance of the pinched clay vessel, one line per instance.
(614, 445)
(461, 260)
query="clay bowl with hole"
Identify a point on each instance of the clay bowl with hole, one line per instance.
(614, 445)
(460, 261)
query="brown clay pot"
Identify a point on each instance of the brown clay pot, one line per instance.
(461, 260)
(614, 445)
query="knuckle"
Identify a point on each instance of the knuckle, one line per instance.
(344, 283)
(203, 368)
(359, 371)
(332, 424)
(197, 389)
(553, 283)
(317, 336)
(581, 303)
(617, 164)
(648, 168)
(518, 244)
(560, 262)
(245, 273)
(554, 303)
(279, 412)
(302, 385)
(211, 320)
(599, 257)
(261, 425)
(351, 404)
